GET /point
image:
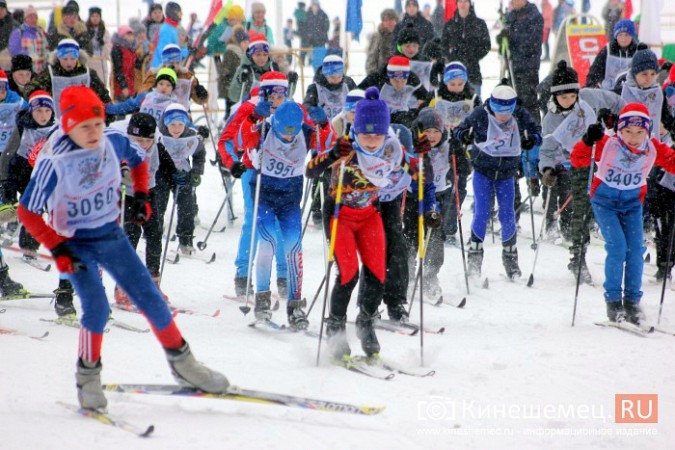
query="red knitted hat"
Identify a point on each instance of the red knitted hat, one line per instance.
(79, 103)
(635, 114)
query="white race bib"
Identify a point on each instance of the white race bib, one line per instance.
(281, 159)
(503, 139)
(180, 149)
(59, 84)
(332, 102)
(622, 169)
(570, 131)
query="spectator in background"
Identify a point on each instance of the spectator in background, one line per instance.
(413, 15)
(99, 40)
(168, 33)
(123, 55)
(438, 18)
(22, 73)
(153, 23)
(560, 13)
(524, 29)
(195, 27)
(71, 27)
(426, 11)
(547, 14)
(235, 52)
(289, 33)
(612, 12)
(317, 26)
(29, 39)
(300, 15)
(380, 46)
(335, 39)
(466, 39)
(220, 36)
(258, 22)
(143, 52)
(7, 25)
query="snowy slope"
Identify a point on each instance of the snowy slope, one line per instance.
(510, 371)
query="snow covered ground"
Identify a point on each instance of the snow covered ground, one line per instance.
(510, 371)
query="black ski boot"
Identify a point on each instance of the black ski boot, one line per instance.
(240, 286)
(365, 331)
(634, 313)
(510, 261)
(338, 347)
(398, 313)
(7, 285)
(576, 260)
(64, 300)
(297, 318)
(282, 288)
(88, 383)
(262, 305)
(615, 312)
(662, 272)
(475, 258)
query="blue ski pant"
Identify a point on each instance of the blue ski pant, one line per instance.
(241, 261)
(272, 215)
(482, 193)
(619, 216)
(114, 254)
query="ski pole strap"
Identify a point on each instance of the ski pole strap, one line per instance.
(336, 212)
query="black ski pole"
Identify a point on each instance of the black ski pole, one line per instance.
(666, 273)
(459, 219)
(201, 245)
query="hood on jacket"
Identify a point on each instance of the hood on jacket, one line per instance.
(83, 60)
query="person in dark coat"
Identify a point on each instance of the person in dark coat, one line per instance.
(466, 39)
(414, 16)
(7, 25)
(524, 29)
(317, 25)
(614, 58)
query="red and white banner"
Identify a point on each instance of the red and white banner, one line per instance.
(584, 42)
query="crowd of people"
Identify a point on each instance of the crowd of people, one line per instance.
(393, 153)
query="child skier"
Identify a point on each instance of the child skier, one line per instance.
(456, 101)
(182, 144)
(400, 89)
(279, 153)
(152, 102)
(329, 90)
(360, 233)
(76, 181)
(615, 58)
(67, 67)
(570, 111)
(498, 132)
(617, 192)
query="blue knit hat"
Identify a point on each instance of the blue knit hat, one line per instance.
(287, 119)
(353, 97)
(644, 60)
(624, 26)
(372, 114)
(333, 65)
(170, 54)
(175, 112)
(454, 70)
(503, 99)
(68, 48)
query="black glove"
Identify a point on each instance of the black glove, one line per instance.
(244, 76)
(140, 208)
(535, 187)
(195, 178)
(605, 116)
(594, 133)
(203, 131)
(422, 146)
(7, 193)
(343, 147)
(201, 92)
(433, 219)
(501, 36)
(455, 146)
(180, 177)
(665, 67)
(549, 177)
(292, 78)
(238, 169)
(467, 137)
(528, 141)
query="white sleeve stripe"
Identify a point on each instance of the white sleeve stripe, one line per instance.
(38, 198)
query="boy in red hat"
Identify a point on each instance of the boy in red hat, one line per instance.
(617, 192)
(76, 180)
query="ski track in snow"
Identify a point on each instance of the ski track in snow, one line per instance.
(511, 346)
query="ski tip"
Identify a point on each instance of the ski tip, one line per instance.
(441, 330)
(648, 258)
(530, 280)
(48, 267)
(275, 307)
(212, 258)
(216, 314)
(462, 303)
(147, 432)
(486, 283)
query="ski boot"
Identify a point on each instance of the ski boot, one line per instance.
(155, 279)
(336, 337)
(282, 287)
(615, 312)
(475, 258)
(7, 285)
(398, 313)
(64, 300)
(365, 331)
(185, 246)
(451, 241)
(576, 260)
(662, 272)
(297, 318)
(122, 300)
(263, 304)
(88, 382)
(240, 286)
(634, 313)
(189, 372)
(510, 261)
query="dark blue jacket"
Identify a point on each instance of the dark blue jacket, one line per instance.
(496, 168)
(525, 28)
